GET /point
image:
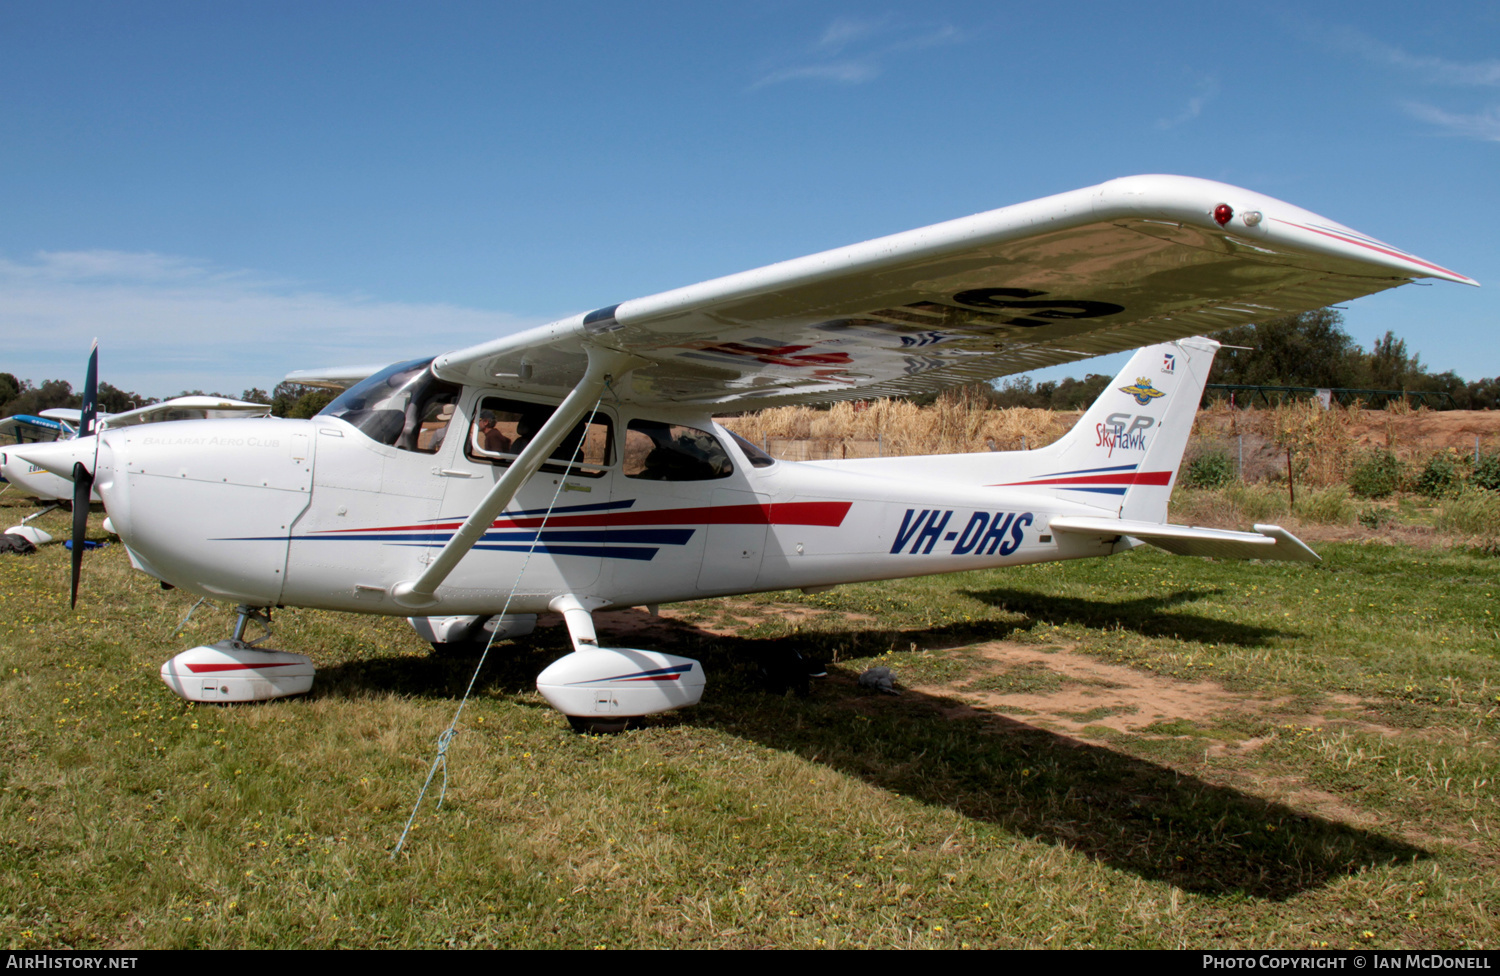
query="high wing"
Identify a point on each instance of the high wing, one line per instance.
(334, 378)
(187, 408)
(1128, 263)
(25, 427)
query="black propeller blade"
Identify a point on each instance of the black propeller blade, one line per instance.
(83, 487)
(83, 478)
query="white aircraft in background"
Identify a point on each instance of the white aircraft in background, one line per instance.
(62, 423)
(577, 466)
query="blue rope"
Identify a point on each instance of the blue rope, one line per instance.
(443, 741)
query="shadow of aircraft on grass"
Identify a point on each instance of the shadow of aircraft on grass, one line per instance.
(1144, 616)
(1131, 813)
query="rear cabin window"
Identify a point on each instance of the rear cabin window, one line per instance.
(657, 451)
(502, 428)
(753, 454)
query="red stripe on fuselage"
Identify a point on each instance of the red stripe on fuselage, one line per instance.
(788, 513)
(209, 668)
(1133, 478)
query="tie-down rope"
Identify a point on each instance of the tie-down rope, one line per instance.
(443, 741)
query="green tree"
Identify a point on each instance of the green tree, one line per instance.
(1074, 394)
(1390, 366)
(10, 388)
(299, 401)
(35, 399)
(1308, 349)
(112, 399)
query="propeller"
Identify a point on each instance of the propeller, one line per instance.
(83, 478)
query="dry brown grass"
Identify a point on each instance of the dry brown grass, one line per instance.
(890, 428)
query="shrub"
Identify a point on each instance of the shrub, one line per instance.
(1330, 506)
(1212, 469)
(1376, 518)
(1487, 472)
(1472, 512)
(1376, 475)
(1257, 502)
(1439, 477)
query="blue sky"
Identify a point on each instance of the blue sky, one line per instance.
(223, 192)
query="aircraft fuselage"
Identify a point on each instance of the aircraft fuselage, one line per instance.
(315, 513)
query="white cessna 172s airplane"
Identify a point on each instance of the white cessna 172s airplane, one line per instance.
(588, 447)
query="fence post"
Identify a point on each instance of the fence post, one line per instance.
(1290, 491)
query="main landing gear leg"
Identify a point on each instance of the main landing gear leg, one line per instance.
(603, 689)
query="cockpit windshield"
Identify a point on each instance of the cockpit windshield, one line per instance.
(403, 405)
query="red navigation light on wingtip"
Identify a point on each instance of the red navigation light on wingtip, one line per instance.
(1222, 214)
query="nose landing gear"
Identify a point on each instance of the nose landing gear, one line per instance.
(235, 670)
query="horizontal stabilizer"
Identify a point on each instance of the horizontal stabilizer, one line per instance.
(1266, 542)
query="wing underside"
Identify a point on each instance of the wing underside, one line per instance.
(1118, 266)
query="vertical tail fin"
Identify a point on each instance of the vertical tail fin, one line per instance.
(1124, 453)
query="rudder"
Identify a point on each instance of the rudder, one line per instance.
(1123, 455)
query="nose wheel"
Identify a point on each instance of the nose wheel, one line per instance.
(587, 725)
(235, 670)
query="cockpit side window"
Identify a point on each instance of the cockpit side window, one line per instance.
(403, 406)
(503, 427)
(658, 451)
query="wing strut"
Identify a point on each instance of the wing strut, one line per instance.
(604, 364)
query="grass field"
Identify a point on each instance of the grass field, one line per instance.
(1141, 751)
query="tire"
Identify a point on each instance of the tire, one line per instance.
(458, 650)
(601, 725)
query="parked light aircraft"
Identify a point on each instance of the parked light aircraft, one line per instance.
(577, 466)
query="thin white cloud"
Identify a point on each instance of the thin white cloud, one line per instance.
(167, 323)
(853, 51)
(1208, 88)
(847, 30)
(1484, 126)
(844, 72)
(1435, 69)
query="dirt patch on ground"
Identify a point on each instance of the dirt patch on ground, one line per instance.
(1065, 691)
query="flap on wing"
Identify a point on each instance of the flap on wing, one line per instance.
(1128, 263)
(1267, 542)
